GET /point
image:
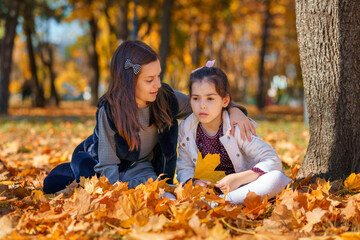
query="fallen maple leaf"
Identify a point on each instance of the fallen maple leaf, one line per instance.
(313, 218)
(254, 205)
(351, 210)
(205, 168)
(283, 217)
(294, 171)
(352, 182)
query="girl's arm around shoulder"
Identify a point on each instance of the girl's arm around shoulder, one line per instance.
(185, 165)
(108, 160)
(258, 150)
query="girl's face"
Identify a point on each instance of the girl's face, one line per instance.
(148, 83)
(207, 104)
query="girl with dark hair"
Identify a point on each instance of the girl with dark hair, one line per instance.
(249, 166)
(135, 137)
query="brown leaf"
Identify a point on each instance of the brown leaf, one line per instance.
(284, 217)
(254, 205)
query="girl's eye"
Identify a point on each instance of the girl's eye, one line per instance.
(149, 81)
(210, 98)
(194, 98)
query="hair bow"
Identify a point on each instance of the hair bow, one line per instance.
(208, 64)
(136, 67)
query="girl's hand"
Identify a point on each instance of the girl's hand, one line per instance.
(202, 183)
(235, 180)
(244, 123)
(231, 181)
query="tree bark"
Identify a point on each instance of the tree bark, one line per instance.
(38, 99)
(261, 94)
(329, 43)
(94, 61)
(165, 34)
(6, 47)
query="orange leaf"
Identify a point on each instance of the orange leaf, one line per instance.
(254, 206)
(352, 183)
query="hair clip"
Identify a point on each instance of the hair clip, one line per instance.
(208, 64)
(136, 67)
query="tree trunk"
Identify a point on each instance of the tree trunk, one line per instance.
(6, 47)
(165, 34)
(123, 29)
(195, 49)
(94, 61)
(46, 54)
(261, 94)
(38, 100)
(329, 43)
(134, 30)
(112, 28)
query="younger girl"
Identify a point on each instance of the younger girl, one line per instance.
(135, 136)
(250, 166)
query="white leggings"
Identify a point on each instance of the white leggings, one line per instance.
(270, 183)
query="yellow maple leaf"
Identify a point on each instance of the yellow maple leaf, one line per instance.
(353, 182)
(205, 168)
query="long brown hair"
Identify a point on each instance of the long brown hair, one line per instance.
(121, 93)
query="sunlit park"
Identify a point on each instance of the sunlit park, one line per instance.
(262, 143)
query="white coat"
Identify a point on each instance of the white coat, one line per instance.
(244, 155)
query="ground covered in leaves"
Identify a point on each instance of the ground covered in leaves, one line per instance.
(31, 147)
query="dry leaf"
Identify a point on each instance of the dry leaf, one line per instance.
(313, 218)
(254, 205)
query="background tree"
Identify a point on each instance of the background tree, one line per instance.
(47, 58)
(90, 11)
(261, 94)
(329, 42)
(6, 49)
(47, 50)
(29, 29)
(165, 34)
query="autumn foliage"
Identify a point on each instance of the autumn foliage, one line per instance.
(96, 209)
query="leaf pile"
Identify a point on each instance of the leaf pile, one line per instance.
(96, 209)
